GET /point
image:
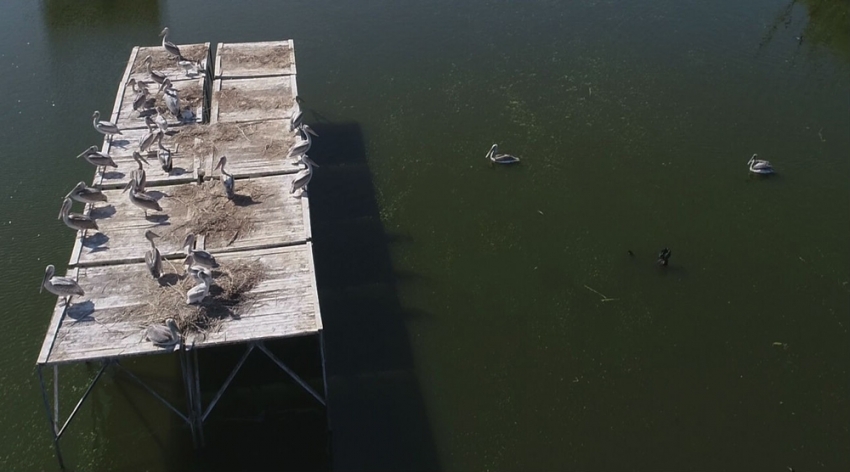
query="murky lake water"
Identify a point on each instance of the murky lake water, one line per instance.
(463, 305)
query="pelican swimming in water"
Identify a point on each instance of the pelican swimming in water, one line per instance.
(156, 76)
(172, 100)
(85, 194)
(495, 157)
(107, 128)
(139, 176)
(226, 178)
(75, 221)
(141, 199)
(302, 178)
(197, 293)
(170, 48)
(97, 158)
(164, 336)
(153, 259)
(164, 154)
(664, 257)
(61, 286)
(201, 258)
(758, 166)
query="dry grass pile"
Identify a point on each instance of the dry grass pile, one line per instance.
(228, 298)
(162, 61)
(230, 99)
(276, 57)
(203, 138)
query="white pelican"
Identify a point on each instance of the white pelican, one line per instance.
(170, 48)
(97, 158)
(495, 157)
(226, 178)
(85, 194)
(164, 154)
(139, 174)
(201, 258)
(141, 199)
(758, 166)
(302, 178)
(153, 259)
(61, 286)
(156, 76)
(197, 293)
(164, 336)
(75, 221)
(107, 128)
(172, 100)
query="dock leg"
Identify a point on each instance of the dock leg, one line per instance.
(50, 418)
(185, 369)
(198, 410)
(292, 374)
(327, 399)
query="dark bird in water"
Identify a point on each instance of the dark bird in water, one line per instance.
(800, 39)
(664, 256)
(631, 253)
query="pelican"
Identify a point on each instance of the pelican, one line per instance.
(75, 221)
(148, 138)
(97, 158)
(302, 178)
(170, 48)
(297, 118)
(758, 166)
(85, 194)
(226, 178)
(164, 336)
(197, 293)
(138, 86)
(301, 146)
(160, 120)
(139, 174)
(141, 199)
(61, 286)
(164, 154)
(156, 76)
(107, 128)
(195, 271)
(172, 100)
(153, 259)
(140, 99)
(495, 157)
(201, 258)
(192, 68)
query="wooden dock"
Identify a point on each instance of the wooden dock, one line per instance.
(241, 109)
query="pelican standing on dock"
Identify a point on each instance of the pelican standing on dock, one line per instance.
(164, 336)
(139, 176)
(302, 178)
(85, 194)
(192, 68)
(156, 76)
(106, 128)
(302, 145)
(296, 118)
(164, 154)
(153, 259)
(75, 221)
(160, 120)
(97, 158)
(170, 47)
(141, 199)
(194, 271)
(172, 100)
(197, 293)
(758, 166)
(226, 178)
(201, 258)
(148, 138)
(496, 158)
(61, 286)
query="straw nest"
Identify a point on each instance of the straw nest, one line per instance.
(165, 298)
(204, 137)
(205, 210)
(275, 57)
(162, 61)
(254, 99)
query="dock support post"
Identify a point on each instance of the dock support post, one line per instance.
(185, 370)
(50, 418)
(197, 410)
(292, 374)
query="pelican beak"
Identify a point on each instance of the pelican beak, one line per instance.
(143, 159)
(162, 33)
(127, 187)
(308, 129)
(47, 275)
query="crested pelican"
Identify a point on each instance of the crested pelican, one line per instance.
(156, 76)
(302, 178)
(141, 199)
(139, 174)
(495, 157)
(61, 286)
(107, 128)
(160, 120)
(170, 48)
(201, 258)
(85, 194)
(197, 293)
(164, 154)
(758, 166)
(172, 99)
(97, 158)
(164, 336)
(75, 221)
(153, 259)
(226, 178)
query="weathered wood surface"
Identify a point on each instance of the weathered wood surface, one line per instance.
(188, 157)
(162, 62)
(272, 217)
(264, 59)
(245, 100)
(100, 324)
(190, 92)
(256, 149)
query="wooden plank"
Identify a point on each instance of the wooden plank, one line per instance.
(164, 63)
(100, 324)
(256, 149)
(245, 100)
(271, 217)
(262, 59)
(190, 92)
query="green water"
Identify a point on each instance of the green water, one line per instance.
(461, 329)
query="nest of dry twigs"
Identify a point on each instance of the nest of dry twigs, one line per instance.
(161, 60)
(208, 135)
(166, 298)
(276, 57)
(251, 99)
(205, 210)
